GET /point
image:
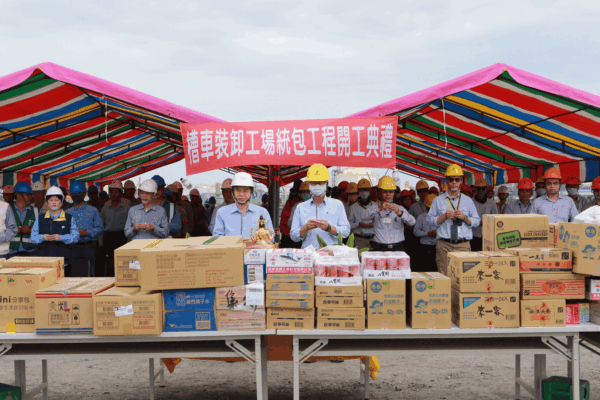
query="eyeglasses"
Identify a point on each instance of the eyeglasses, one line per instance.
(453, 179)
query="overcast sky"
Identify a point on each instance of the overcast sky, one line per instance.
(277, 60)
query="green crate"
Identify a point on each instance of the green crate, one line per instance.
(8, 392)
(561, 388)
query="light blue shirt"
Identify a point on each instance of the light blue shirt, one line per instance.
(516, 207)
(70, 238)
(175, 224)
(358, 214)
(561, 210)
(389, 226)
(465, 204)
(213, 217)
(417, 209)
(88, 218)
(231, 222)
(331, 210)
(422, 228)
(155, 215)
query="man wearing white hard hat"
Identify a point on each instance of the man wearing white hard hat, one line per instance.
(114, 217)
(227, 193)
(147, 220)
(129, 189)
(237, 219)
(503, 203)
(200, 217)
(39, 196)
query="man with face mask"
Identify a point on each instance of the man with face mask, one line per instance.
(241, 218)
(523, 204)
(596, 191)
(147, 220)
(484, 205)
(227, 193)
(24, 214)
(557, 207)
(502, 196)
(362, 226)
(320, 215)
(304, 196)
(83, 253)
(540, 187)
(573, 184)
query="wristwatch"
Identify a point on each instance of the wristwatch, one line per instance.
(328, 227)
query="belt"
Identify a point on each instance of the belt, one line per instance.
(386, 245)
(453, 241)
(364, 236)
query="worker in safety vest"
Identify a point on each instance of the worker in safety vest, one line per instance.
(228, 199)
(8, 228)
(455, 216)
(502, 197)
(362, 226)
(319, 215)
(147, 220)
(572, 185)
(557, 207)
(484, 205)
(173, 216)
(523, 204)
(419, 207)
(130, 193)
(241, 218)
(426, 231)
(25, 214)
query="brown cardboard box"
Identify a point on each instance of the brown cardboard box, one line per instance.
(552, 286)
(386, 304)
(428, 303)
(543, 313)
(543, 259)
(595, 312)
(343, 291)
(128, 311)
(198, 262)
(290, 319)
(505, 231)
(483, 272)
(584, 241)
(303, 282)
(37, 262)
(553, 233)
(341, 318)
(228, 320)
(67, 306)
(485, 310)
(233, 298)
(340, 301)
(290, 299)
(128, 270)
(17, 296)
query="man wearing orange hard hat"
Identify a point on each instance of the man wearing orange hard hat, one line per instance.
(557, 207)
(485, 205)
(419, 207)
(8, 195)
(523, 204)
(596, 191)
(540, 187)
(572, 185)
(362, 226)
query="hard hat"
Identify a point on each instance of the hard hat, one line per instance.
(242, 179)
(38, 186)
(305, 186)
(352, 188)
(343, 185)
(525, 183)
(434, 189)
(168, 192)
(194, 192)
(540, 180)
(159, 180)
(571, 180)
(422, 185)
(226, 184)
(481, 182)
(212, 200)
(465, 188)
(490, 187)
(54, 191)
(405, 193)
(116, 184)
(177, 185)
(129, 185)
(387, 183)
(454, 170)
(149, 185)
(22, 187)
(429, 199)
(93, 189)
(8, 189)
(317, 173)
(503, 189)
(77, 187)
(364, 184)
(552, 173)
(596, 183)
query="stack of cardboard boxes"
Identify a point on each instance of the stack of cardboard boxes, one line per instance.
(340, 307)
(241, 307)
(429, 302)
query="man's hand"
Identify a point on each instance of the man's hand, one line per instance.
(432, 234)
(392, 207)
(82, 232)
(149, 227)
(449, 214)
(323, 224)
(52, 238)
(26, 230)
(311, 224)
(139, 226)
(459, 215)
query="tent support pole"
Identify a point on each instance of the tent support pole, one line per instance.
(274, 188)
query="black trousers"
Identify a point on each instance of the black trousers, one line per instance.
(112, 241)
(83, 260)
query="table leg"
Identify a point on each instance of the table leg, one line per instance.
(151, 368)
(162, 373)
(540, 373)
(260, 356)
(517, 376)
(296, 357)
(569, 363)
(45, 379)
(367, 377)
(21, 377)
(575, 364)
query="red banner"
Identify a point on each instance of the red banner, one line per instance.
(348, 142)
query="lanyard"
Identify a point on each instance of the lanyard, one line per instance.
(450, 203)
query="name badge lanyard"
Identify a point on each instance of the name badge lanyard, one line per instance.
(453, 226)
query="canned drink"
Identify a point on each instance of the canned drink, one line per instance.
(333, 270)
(354, 270)
(321, 269)
(393, 263)
(343, 271)
(380, 263)
(369, 262)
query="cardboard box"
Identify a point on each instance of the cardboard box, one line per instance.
(342, 291)
(289, 261)
(341, 318)
(584, 241)
(552, 286)
(254, 273)
(190, 310)
(584, 312)
(290, 299)
(505, 231)
(128, 311)
(57, 263)
(128, 267)
(543, 313)
(386, 304)
(228, 320)
(67, 306)
(543, 259)
(595, 312)
(552, 233)
(485, 310)
(255, 256)
(198, 262)
(234, 298)
(592, 289)
(17, 296)
(483, 272)
(572, 316)
(189, 299)
(340, 301)
(428, 303)
(290, 319)
(297, 282)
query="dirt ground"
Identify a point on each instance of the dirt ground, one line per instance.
(466, 377)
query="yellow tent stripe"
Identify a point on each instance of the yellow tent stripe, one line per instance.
(141, 114)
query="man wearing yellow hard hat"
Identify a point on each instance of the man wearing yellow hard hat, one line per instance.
(419, 208)
(389, 219)
(362, 226)
(427, 232)
(484, 206)
(455, 215)
(319, 215)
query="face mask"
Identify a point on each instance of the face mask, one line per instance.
(305, 196)
(363, 195)
(318, 190)
(481, 194)
(572, 191)
(540, 192)
(77, 198)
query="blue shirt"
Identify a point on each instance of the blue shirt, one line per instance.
(422, 228)
(231, 222)
(213, 217)
(358, 214)
(175, 224)
(155, 215)
(561, 210)
(88, 218)
(465, 204)
(389, 226)
(22, 216)
(331, 210)
(516, 207)
(71, 238)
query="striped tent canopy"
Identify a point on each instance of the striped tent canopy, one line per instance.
(57, 124)
(500, 123)
(265, 174)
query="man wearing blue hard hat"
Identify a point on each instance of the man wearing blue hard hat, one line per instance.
(83, 253)
(173, 216)
(25, 215)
